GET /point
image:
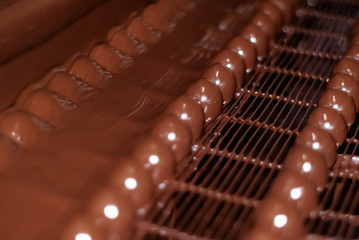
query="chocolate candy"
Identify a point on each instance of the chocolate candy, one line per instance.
(68, 86)
(345, 83)
(157, 157)
(112, 214)
(341, 102)
(140, 30)
(331, 121)
(246, 49)
(47, 106)
(281, 217)
(173, 132)
(153, 16)
(354, 39)
(190, 112)
(169, 9)
(185, 5)
(296, 188)
(7, 152)
(80, 228)
(353, 52)
(309, 163)
(273, 12)
(232, 61)
(223, 78)
(209, 96)
(108, 57)
(131, 179)
(23, 128)
(256, 36)
(125, 43)
(264, 22)
(320, 141)
(287, 9)
(261, 234)
(349, 66)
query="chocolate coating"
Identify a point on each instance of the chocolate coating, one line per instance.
(209, 96)
(169, 9)
(190, 112)
(185, 5)
(262, 234)
(349, 66)
(353, 52)
(273, 12)
(331, 121)
(7, 151)
(246, 49)
(68, 86)
(256, 36)
(81, 228)
(140, 30)
(346, 83)
(132, 180)
(297, 189)
(157, 157)
(232, 61)
(320, 141)
(354, 39)
(223, 78)
(341, 102)
(107, 57)
(47, 106)
(112, 214)
(287, 9)
(173, 132)
(355, 27)
(281, 217)
(264, 22)
(153, 16)
(122, 41)
(23, 128)
(309, 163)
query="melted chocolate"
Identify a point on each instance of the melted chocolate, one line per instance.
(349, 66)
(287, 9)
(264, 22)
(245, 49)
(81, 228)
(262, 234)
(156, 19)
(273, 12)
(257, 37)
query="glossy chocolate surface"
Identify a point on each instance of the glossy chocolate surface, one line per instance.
(209, 96)
(281, 217)
(190, 112)
(346, 83)
(232, 61)
(319, 140)
(157, 157)
(341, 102)
(257, 37)
(297, 189)
(176, 134)
(331, 121)
(142, 31)
(264, 22)
(245, 49)
(262, 234)
(308, 163)
(156, 19)
(273, 12)
(353, 52)
(286, 8)
(81, 228)
(223, 78)
(349, 66)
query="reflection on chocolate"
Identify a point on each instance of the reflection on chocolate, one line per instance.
(320, 141)
(297, 189)
(122, 41)
(309, 163)
(157, 157)
(209, 96)
(107, 57)
(175, 134)
(185, 5)
(346, 83)
(244, 48)
(89, 72)
(353, 52)
(154, 17)
(68, 86)
(47, 106)
(341, 102)
(223, 78)
(132, 180)
(262, 234)
(81, 228)
(331, 121)
(190, 112)
(23, 128)
(256, 36)
(140, 30)
(347, 65)
(265, 24)
(287, 9)
(169, 9)
(273, 12)
(112, 214)
(233, 61)
(279, 216)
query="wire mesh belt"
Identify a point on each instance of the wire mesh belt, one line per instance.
(233, 165)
